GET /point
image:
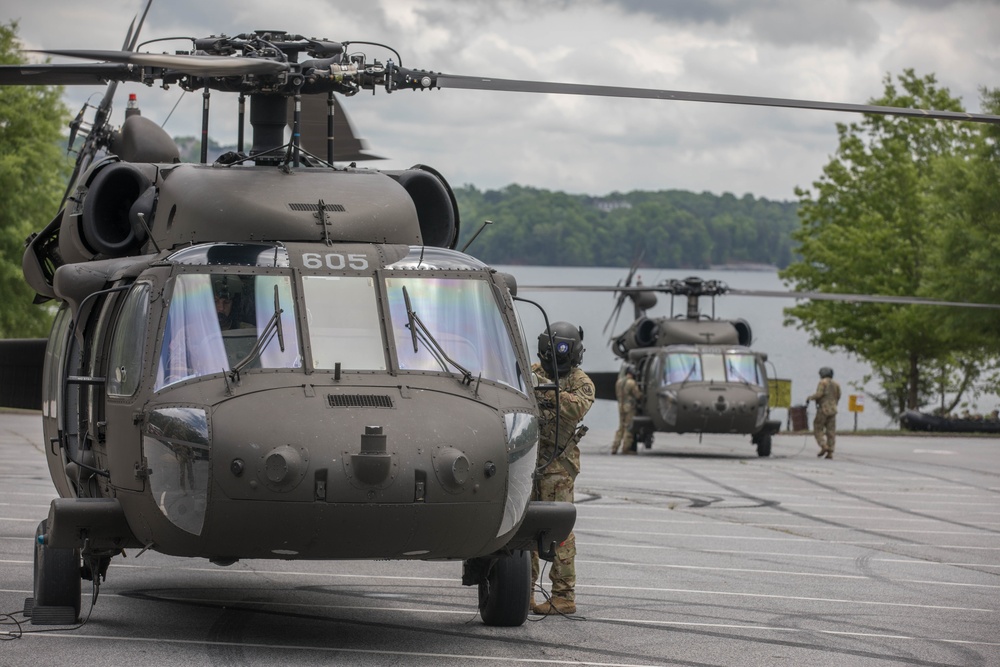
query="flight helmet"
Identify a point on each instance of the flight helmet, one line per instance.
(560, 346)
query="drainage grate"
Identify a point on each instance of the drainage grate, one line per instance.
(359, 400)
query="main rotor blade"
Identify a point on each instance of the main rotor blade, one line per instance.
(519, 86)
(816, 296)
(130, 44)
(201, 66)
(864, 298)
(614, 315)
(63, 75)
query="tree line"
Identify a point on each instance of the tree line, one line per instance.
(673, 228)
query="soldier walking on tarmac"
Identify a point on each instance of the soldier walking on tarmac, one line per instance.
(560, 351)
(628, 393)
(825, 423)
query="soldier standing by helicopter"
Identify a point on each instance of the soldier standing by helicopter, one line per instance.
(560, 351)
(825, 423)
(628, 393)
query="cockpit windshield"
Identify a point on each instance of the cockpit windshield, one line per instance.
(343, 322)
(460, 316)
(682, 367)
(730, 366)
(214, 322)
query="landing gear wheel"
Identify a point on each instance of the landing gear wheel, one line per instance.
(764, 445)
(505, 591)
(57, 584)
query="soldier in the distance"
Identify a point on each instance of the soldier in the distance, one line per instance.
(628, 393)
(825, 423)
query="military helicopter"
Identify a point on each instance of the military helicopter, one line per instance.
(252, 358)
(698, 373)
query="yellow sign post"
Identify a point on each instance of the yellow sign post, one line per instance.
(779, 393)
(856, 404)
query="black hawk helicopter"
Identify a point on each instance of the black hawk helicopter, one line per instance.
(272, 356)
(698, 373)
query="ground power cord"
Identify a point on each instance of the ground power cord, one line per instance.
(548, 598)
(10, 620)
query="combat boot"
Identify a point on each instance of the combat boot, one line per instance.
(555, 606)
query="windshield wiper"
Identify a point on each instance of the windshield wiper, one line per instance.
(419, 331)
(735, 372)
(694, 367)
(272, 327)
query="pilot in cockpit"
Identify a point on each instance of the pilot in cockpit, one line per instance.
(228, 291)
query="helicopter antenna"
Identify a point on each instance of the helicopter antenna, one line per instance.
(478, 232)
(142, 221)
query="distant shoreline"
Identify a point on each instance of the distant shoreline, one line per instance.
(900, 432)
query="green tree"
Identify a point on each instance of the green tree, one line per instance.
(33, 170)
(967, 236)
(871, 228)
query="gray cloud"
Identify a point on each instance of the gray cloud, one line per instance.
(835, 23)
(837, 50)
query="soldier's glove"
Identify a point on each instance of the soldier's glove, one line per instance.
(546, 398)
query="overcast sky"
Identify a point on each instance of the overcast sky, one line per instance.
(829, 50)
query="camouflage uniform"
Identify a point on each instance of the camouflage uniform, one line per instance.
(627, 392)
(825, 424)
(576, 395)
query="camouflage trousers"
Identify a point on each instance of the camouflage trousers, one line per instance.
(825, 430)
(624, 436)
(556, 484)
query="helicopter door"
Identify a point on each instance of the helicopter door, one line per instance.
(60, 405)
(125, 364)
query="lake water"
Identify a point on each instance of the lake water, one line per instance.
(790, 356)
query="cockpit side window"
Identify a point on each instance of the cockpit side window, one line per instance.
(125, 361)
(215, 320)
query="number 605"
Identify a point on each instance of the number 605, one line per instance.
(334, 260)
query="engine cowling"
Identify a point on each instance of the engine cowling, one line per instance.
(435, 202)
(118, 193)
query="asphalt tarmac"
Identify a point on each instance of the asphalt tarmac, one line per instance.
(689, 554)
